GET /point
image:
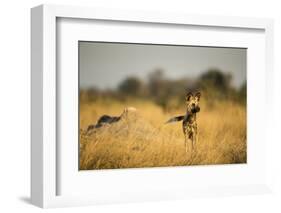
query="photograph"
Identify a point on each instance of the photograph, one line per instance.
(161, 105)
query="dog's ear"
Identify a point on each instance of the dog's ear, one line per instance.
(188, 96)
(198, 95)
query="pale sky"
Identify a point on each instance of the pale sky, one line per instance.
(105, 65)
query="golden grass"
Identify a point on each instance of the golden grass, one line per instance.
(143, 140)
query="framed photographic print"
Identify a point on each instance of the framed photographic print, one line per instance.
(130, 106)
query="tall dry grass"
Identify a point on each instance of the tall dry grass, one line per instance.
(143, 140)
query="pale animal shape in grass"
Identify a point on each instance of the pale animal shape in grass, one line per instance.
(107, 119)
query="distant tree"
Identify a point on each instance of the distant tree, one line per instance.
(156, 83)
(156, 75)
(216, 84)
(132, 86)
(89, 95)
(216, 78)
(243, 92)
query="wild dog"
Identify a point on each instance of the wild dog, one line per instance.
(107, 119)
(189, 124)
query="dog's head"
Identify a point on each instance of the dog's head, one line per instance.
(129, 112)
(192, 102)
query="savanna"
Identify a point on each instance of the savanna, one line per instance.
(143, 139)
(111, 83)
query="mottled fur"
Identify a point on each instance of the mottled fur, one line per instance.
(189, 124)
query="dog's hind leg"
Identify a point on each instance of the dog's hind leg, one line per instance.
(192, 143)
(195, 142)
(184, 128)
(185, 143)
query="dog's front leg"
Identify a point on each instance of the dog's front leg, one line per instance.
(194, 139)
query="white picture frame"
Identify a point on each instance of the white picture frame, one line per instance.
(45, 178)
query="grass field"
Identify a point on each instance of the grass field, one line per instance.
(143, 140)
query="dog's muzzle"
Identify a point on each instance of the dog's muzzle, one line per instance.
(195, 109)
